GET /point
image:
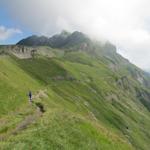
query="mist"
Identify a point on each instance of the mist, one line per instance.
(124, 23)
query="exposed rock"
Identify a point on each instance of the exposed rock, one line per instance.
(144, 97)
(124, 82)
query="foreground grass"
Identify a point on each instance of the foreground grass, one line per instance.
(84, 108)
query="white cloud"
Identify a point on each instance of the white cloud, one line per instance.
(125, 23)
(6, 33)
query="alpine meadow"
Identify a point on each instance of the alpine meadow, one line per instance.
(85, 96)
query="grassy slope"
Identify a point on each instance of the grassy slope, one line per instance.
(79, 112)
(14, 85)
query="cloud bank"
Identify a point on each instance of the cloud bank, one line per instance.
(126, 23)
(6, 33)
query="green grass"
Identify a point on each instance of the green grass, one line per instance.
(14, 85)
(63, 130)
(89, 112)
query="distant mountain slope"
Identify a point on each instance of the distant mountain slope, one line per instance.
(64, 39)
(55, 41)
(34, 41)
(78, 41)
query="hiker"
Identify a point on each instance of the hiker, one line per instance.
(30, 96)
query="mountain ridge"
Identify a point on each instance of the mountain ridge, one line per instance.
(92, 97)
(58, 40)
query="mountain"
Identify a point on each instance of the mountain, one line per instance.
(34, 41)
(64, 39)
(85, 96)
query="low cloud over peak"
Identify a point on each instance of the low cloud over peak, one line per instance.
(124, 23)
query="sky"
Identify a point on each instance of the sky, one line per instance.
(125, 23)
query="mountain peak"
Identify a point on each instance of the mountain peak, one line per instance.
(65, 33)
(64, 39)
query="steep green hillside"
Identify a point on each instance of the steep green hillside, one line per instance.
(14, 85)
(81, 101)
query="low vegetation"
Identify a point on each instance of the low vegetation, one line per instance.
(79, 102)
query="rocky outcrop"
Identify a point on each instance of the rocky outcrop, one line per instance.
(144, 96)
(124, 82)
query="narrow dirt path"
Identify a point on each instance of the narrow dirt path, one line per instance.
(30, 118)
(28, 121)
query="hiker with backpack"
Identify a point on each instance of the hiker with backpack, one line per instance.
(30, 96)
